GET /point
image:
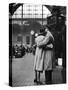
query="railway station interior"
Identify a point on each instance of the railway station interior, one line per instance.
(25, 21)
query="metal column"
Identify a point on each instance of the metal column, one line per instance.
(42, 15)
(22, 15)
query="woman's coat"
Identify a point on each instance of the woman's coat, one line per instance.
(43, 58)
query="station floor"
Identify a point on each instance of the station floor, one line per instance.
(23, 73)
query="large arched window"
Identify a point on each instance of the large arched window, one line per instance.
(31, 11)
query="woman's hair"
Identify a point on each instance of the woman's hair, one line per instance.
(42, 30)
(48, 27)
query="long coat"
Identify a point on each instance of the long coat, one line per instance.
(43, 58)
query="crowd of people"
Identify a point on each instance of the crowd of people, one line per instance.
(22, 49)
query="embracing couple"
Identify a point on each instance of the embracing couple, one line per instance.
(44, 55)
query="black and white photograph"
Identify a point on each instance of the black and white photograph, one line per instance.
(37, 44)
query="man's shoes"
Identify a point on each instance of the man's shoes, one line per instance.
(48, 82)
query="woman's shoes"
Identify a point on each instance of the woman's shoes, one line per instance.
(37, 82)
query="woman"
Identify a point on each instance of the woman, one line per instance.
(38, 59)
(44, 55)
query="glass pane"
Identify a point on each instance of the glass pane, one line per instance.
(46, 12)
(13, 16)
(18, 11)
(18, 16)
(31, 11)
